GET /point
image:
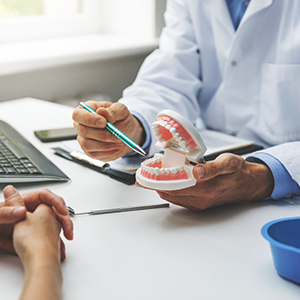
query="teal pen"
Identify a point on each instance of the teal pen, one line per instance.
(118, 133)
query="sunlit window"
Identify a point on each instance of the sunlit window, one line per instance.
(21, 8)
(22, 20)
(27, 20)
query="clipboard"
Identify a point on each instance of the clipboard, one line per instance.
(238, 151)
(119, 175)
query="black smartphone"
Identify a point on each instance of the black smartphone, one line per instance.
(57, 134)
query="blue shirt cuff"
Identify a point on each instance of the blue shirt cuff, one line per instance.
(147, 142)
(284, 185)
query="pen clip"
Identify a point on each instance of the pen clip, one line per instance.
(94, 162)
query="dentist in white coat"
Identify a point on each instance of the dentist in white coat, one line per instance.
(235, 64)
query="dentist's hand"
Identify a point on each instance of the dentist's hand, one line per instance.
(96, 141)
(227, 179)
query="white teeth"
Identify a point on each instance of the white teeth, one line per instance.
(156, 171)
(172, 130)
(174, 170)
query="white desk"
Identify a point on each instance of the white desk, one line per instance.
(161, 254)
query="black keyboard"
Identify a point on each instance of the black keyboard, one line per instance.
(20, 161)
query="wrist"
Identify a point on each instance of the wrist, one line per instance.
(139, 129)
(43, 277)
(264, 181)
(40, 257)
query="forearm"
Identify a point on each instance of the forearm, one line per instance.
(43, 279)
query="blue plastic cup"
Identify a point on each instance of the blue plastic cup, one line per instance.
(284, 238)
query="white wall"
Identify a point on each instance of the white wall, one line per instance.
(105, 77)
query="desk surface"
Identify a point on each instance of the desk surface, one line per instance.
(168, 253)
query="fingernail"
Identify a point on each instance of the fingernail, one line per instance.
(200, 172)
(19, 212)
(9, 191)
(64, 208)
(71, 230)
(99, 123)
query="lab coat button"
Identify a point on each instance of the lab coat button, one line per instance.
(233, 63)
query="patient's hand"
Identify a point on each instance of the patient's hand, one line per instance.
(37, 243)
(14, 209)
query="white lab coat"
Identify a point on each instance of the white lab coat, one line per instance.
(244, 82)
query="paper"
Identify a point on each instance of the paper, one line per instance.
(129, 164)
(218, 141)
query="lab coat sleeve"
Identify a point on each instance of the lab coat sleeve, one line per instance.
(284, 185)
(288, 155)
(169, 77)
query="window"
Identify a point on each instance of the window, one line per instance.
(36, 34)
(16, 8)
(35, 19)
(39, 19)
(21, 8)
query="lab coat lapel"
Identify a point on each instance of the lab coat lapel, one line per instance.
(254, 7)
(222, 28)
(224, 32)
(220, 13)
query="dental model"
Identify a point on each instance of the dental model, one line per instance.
(181, 143)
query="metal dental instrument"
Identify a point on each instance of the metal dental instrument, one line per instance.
(118, 133)
(72, 212)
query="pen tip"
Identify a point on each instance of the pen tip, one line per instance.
(139, 150)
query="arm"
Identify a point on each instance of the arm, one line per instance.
(284, 184)
(169, 78)
(37, 242)
(288, 155)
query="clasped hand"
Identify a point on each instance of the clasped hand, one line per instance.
(18, 207)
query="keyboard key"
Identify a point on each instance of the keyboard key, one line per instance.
(9, 170)
(34, 171)
(22, 171)
(6, 164)
(13, 149)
